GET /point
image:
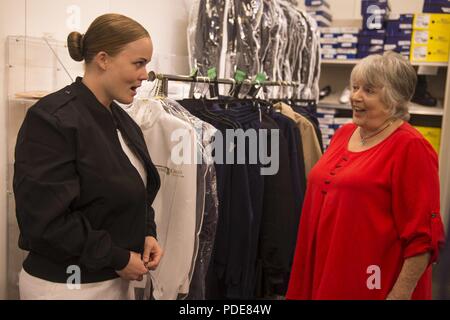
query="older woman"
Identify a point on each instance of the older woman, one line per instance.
(371, 227)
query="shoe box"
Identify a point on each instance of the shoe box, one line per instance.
(315, 3)
(329, 122)
(320, 11)
(374, 13)
(436, 6)
(432, 21)
(339, 43)
(431, 38)
(399, 30)
(433, 135)
(370, 42)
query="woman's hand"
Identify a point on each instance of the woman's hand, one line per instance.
(135, 268)
(412, 270)
(152, 253)
(399, 295)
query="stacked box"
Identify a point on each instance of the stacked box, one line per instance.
(320, 11)
(339, 43)
(433, 135)
(372, 36)
(370, 42)
(399, 30)
(374, 13)
(329, 123)
(431, 38)
(436, 6)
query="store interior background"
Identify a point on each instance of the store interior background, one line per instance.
(166, 20)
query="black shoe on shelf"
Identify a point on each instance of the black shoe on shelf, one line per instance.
(425, 99)
(421, 95)
(324, 92)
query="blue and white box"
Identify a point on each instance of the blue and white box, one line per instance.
(436, 6)
(373, 7)
(314, 3)
(373, 22)
(372, 37)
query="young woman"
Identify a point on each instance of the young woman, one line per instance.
(83, 179)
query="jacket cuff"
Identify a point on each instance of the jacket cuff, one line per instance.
(151, 225)
(151, 233)
(120, 258)
(151, 229)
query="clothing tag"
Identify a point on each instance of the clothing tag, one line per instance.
(240, 75)
(169, 171)
(194, 72)
(261, 78)
(212, 73)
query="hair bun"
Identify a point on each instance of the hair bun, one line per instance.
(75, 45)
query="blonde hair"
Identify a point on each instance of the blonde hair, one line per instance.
(109, 33)
(394, 75)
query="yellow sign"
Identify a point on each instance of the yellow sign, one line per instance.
(433, 135)
(434, 21)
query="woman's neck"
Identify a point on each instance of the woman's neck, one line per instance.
(365, 131)
(93, 84)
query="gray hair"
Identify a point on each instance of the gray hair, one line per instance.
(394, 75)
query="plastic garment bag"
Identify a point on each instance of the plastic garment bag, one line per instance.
(205, 34)
(253, 36)
(248, 13)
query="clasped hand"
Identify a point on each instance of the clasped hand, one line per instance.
(139, 265)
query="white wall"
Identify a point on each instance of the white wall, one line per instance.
(165, 20)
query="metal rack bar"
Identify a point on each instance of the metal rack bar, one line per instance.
(167, 77)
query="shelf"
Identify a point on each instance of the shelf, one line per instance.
(337, 61)
(332, 102)
(23, 100)
(426, 111)
(355, 61)
(14, 98)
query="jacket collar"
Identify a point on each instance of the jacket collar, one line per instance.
(117, 119)
(89, 97)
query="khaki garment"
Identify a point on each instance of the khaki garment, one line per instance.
(311, 146)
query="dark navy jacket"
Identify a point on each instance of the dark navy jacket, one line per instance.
(79, 200)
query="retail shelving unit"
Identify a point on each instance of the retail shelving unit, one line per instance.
(355, 61)
(332, 102)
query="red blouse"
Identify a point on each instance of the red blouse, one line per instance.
(364, 214)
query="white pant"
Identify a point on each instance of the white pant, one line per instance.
(32, 288)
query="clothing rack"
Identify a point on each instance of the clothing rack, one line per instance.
(165, 78)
